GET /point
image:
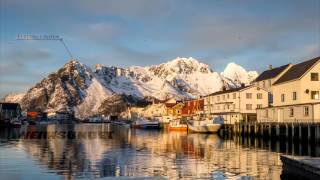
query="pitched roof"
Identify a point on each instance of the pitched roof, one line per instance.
(268, 74)
(170, 105)
(228, 91)
(297, 71)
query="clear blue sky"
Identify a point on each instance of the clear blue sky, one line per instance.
(252, 33)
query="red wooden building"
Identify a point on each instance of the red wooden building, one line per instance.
(193, 107)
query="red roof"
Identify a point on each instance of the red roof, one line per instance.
(170, 105)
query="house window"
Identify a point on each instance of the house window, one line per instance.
(248, 95)
(227, 96)
(314, 94)
(249, 106)
(294, 96)
(306, 111)
(218, 98)
(264, 84)
(218, 107)
(259, 105)
(314, 76)
(269, 82)
(234, 95)
(228, 106)
(291, 112)
(259, 96)
(224, 97)
(282, 97)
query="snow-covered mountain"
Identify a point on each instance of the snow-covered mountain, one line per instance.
(76, 87)
(13, 97)
(237, 74)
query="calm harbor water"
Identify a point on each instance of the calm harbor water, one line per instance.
(88, 151)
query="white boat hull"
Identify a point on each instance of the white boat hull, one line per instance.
(204, 128)
(146, 124)
(176, 125)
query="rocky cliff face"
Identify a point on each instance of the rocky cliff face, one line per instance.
(61, 90)
(77, 88)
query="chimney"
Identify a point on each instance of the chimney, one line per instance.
(270, 66)
(243, 85)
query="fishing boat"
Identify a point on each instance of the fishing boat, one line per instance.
(15, 123)
(204, 126)
(177, 125)
(144, 123)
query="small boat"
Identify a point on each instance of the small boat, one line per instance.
(146, 124)
(177, 125)
(204, 126)
(97, 119)
(15, 123)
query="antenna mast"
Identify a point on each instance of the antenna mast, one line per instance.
(45, 38)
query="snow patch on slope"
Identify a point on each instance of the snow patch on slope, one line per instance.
(95, 95)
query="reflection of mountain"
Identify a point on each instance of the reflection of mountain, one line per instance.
(90, 150)
(71, 150)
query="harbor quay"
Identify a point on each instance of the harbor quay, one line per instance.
(273, 130)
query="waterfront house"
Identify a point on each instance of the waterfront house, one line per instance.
(193, 107)
(9, 111)
(270, 76)
(235, 105)
(295, 95)
(174, 109)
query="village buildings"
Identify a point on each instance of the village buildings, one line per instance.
(9, 111)
(296, 95)
(236, 105)
(289, 93)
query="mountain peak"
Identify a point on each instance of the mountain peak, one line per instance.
(180, 65)
(238, 74)
(182, 61)
(72, 62)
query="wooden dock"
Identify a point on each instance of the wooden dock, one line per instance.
(300, 167)
(272, 130)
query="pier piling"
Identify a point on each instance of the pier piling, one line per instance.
(274, 130)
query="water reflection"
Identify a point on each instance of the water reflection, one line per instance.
(102, 150)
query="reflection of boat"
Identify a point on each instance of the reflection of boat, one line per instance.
(177, 125)
(205, 139)
(46, 122)
(203, 126)
(97, 119)
(121, 123)
(145, 123)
